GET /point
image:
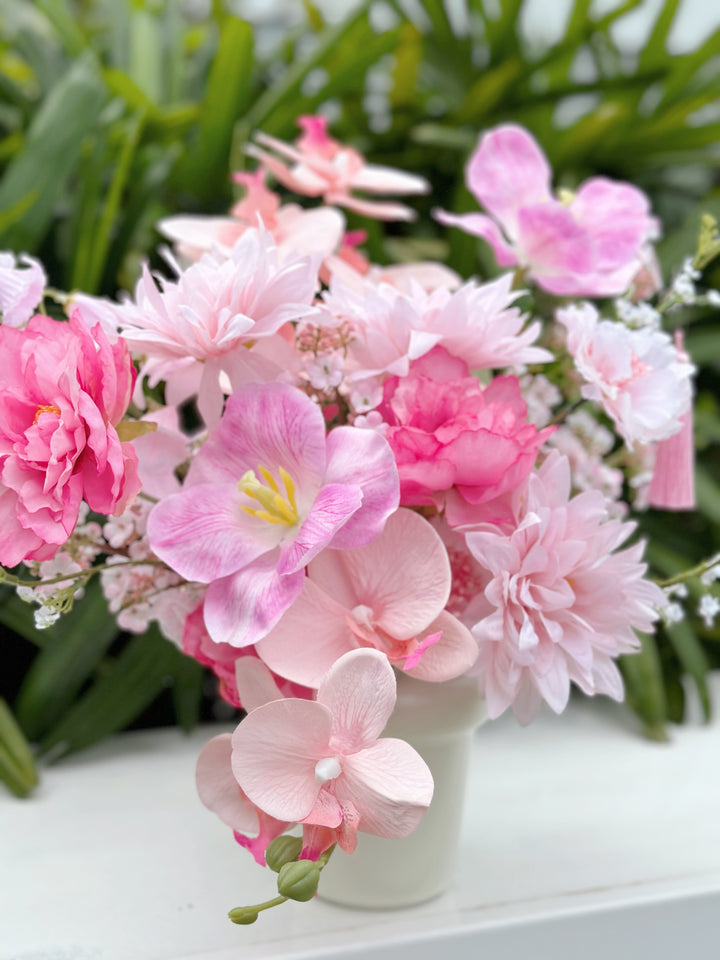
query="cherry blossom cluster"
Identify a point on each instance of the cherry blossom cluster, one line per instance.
(391, 469)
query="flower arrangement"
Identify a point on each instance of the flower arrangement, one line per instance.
(315, 472)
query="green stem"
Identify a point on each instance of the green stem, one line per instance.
(697, 571)
(7, 577)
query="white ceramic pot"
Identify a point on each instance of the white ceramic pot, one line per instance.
(439, 720)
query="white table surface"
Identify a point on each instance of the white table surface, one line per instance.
(582, 841)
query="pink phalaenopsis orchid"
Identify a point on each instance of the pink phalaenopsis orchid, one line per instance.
(389, 595)
(265, 494)
(22, 282)
(321, 167)
(591, 243)
(557, 597)
(322, 762)
(63, 392)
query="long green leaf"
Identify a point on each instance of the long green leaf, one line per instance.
(81, 639)
(65, 23)
(143, 669)
(17, 766)
(654, 48)
(693, 659)
(51, 152)
(644, 688)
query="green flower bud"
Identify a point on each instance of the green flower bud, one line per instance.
(243, 915)
(282, 850)
(299, 880)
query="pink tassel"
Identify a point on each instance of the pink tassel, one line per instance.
(673, 483)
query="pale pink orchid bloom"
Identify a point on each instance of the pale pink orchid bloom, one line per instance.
(294, 230)
(389, 595)
(22, 282)
(556, 598)
(208, 331)
(321, 762)
(638, 376)
(591, 243)
(673, 481)
(267, 491)
(318, 166)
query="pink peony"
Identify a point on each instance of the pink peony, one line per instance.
(21, 288)
(638, 376)
(322, 167)
(457, 445)
(591, 243)
(63, 390)
(389, 595)
(265, 494)
(557, 599)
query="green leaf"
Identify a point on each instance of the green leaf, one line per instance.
(655, 48)
(51, 152)
(644, 688)
(132, 681)
(64, 21)
(79, 642)
(693, 659)
(17, 766)
(187, 692)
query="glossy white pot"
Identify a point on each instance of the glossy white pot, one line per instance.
(439, 720)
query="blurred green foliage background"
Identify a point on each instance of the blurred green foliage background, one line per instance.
(114, 113)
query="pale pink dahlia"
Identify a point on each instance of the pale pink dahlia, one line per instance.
(265, 494)
(559, 601)
(63, 391)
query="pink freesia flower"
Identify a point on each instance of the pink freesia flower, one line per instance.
(265, 494)
(322, 167)
(322, 763)
(559, 599)
(638, 376)
(457, 445)
(63, 390)
(293, 229)
(389, 595)
(21, 288)
(208, 328)
(591, 243)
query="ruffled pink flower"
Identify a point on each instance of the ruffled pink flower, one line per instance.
(211, 325)
(265, 494)
(321, 167)
(389, 595)
(559, 598)
(591, 243)
(458, 446)
(637, 376)
(21, 287)
(63, 390)
(321, 762)
(293, 229)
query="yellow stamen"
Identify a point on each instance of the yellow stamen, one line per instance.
(278, 509)
(565, 196)
(46, 408)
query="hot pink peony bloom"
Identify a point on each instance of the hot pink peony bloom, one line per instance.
(389, 595)
(322, 763)
(558, 603)
(322, 167)
(638, 376)
(457, 445)
(210, 325)
(293, 229)
(265, 494)
(63, 390)
(589, 244)
(21, 288)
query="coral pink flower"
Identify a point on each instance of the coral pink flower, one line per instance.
(389, 595)
(265, 494)
(322, 167)
(63, 390)
(21, 288)
(638, 376)
(457, 445)
(590, 244)
(210, 324)
(293, 229)
(322, 763)
(559, 600)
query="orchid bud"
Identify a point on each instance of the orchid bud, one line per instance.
(243, 915)
(299, 880)
(282, 850)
